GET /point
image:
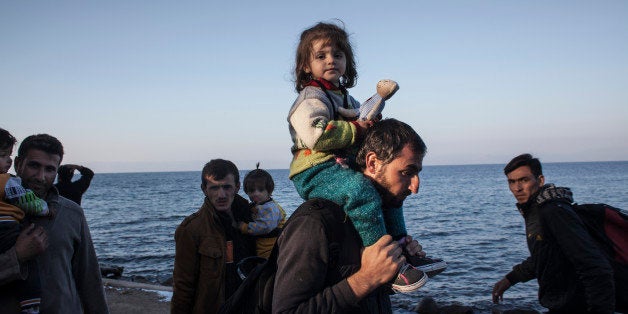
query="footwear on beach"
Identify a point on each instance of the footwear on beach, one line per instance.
(373, 106)
(431, 266)
(409, 279)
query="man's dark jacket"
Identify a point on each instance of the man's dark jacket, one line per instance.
(573, 273)
(308, 282)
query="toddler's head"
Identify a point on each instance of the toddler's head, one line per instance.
(7, 141)
(258, 185)
(330, 35)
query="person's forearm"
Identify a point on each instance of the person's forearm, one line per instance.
(360, 286)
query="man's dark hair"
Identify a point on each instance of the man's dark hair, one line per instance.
(525, 160)
(258, 177)
(386, 139)
(219, 169)
(65, 173)
(44, 142)
(6, 139)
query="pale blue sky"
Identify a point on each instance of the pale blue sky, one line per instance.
(168, 85)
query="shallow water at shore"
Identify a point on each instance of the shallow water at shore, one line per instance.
(463, 214)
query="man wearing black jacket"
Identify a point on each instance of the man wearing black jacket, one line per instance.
(309, 279)
(572, 271)
(73, 190)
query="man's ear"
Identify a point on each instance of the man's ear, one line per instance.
(372, 163)
(16, 163)
(541, 180)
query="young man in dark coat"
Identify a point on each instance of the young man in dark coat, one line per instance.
(573, 272)
(208, 244)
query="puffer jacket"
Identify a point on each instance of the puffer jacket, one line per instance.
(573, 274)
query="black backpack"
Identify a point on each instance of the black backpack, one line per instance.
(255, 294)
(608, 226)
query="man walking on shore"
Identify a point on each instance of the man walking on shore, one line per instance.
(573, 272)
(209, 245)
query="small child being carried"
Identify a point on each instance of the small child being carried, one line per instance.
(327, 125)
(16, 205)
(268, 216)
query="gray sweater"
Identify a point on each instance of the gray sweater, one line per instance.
(68, 269)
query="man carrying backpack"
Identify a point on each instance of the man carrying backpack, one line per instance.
(574, 273)
(317, 275)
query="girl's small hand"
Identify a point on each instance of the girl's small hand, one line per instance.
(365, 124)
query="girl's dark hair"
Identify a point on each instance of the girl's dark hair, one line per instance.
(333, 35)
(257, 176)
(6, 139)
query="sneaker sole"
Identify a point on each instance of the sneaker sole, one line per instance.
(433, 269)
(411, 288)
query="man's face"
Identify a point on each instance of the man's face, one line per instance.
(5, 159)
(38, 170)
(523, 184)
(220, 193)
(398, 179)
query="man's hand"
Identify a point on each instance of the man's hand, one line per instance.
(380, 263)
(31, 242)
(499, 288)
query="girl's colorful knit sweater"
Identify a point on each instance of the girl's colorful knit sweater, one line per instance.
(319, 126)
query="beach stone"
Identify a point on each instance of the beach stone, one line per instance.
(141, 279)
(111, 271)
(499, 310)
(427, 306)
(456, 309)
(166, 281)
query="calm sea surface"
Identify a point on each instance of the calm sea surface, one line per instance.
(463, 214)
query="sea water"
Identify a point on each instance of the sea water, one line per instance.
(462, 214)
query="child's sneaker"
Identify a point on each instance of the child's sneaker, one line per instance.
(431, 266)
(373, 106)
(409, 279)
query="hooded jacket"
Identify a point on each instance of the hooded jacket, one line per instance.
(573, 274)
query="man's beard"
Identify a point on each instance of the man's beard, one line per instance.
(389, 200)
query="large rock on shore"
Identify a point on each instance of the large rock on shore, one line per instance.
(429, 306)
